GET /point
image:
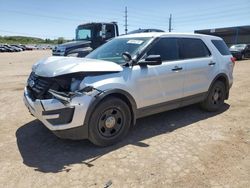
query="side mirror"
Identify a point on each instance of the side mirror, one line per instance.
(126, 56)
(151, 60)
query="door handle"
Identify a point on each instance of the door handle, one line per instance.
(176, 68)
(211, 63)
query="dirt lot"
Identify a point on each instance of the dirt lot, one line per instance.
(180, 148)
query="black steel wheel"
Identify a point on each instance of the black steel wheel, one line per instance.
(215, 98)
(109, 122)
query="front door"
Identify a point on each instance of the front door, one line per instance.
(160, 83)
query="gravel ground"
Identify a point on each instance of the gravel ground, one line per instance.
(180, 148)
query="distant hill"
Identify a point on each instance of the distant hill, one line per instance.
(29, 40)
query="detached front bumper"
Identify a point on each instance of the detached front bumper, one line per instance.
(65, 120)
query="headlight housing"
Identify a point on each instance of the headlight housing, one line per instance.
(61, 49)
(75, 83)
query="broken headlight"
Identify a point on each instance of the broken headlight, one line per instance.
(75, 83)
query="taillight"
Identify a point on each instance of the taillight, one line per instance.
(233, 59)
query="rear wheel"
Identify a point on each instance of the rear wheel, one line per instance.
(215, 98)
(110, 122)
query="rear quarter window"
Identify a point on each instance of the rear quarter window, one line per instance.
(193, 48)
(221, 47)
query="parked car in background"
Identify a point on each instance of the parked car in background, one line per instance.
(28, 47)
(2, 49)
(8, 49)
(22, 47)
(240, 51)
(101, 96)
(17, 48)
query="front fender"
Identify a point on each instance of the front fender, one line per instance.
(112, 92)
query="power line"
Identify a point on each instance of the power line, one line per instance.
(218, 17)
(215, 18)
(212, 14)
(60, 18)
(187, 12)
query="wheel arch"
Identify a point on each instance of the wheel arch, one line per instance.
(223, 78)
(119, 93)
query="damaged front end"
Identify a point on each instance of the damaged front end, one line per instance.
(60, 102)
(67, 96)
(56, 93)
(39, 86)
(63, 88)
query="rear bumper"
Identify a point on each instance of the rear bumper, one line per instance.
(237, 55)
(65, 120)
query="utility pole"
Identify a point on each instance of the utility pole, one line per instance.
(170, 23)
(126, 20)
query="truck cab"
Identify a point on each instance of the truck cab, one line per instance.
(88, 37)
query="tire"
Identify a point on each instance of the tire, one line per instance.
(110, 122)
(215, 98)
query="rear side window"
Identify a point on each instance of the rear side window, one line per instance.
(167, 48)
(193, 48)
(221, 47)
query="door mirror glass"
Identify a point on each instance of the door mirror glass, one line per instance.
(126, 56)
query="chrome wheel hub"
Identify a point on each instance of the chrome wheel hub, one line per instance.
(216, 96)
(110, 122)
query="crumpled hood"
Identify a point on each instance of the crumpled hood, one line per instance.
(56, 66)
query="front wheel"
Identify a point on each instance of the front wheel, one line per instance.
(110, 122)
(215, 98)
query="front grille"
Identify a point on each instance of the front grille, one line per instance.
(38, 86)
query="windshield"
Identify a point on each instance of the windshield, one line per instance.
(84, 32)
(112, 51)
(238, 47)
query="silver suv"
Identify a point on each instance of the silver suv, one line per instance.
(101, 96)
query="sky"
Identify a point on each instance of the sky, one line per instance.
(59, 18)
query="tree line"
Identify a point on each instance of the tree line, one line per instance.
(30, 40)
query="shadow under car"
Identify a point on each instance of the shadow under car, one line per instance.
(43, 151)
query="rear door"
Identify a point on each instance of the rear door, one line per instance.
(200, 65)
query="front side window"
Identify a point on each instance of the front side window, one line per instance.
(193, 48)
(167, 48)
(112, 50)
